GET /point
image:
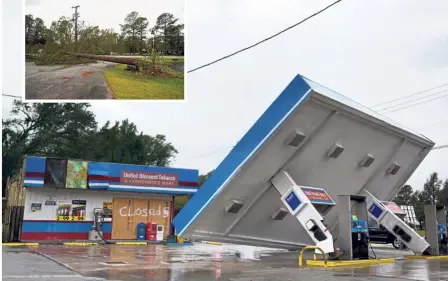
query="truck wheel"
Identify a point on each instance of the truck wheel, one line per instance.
(396, 243)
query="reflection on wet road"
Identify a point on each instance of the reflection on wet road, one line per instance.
(208, 262)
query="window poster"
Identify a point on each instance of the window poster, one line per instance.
(36, 207)
(77, 174)
(107, 209)
(74, 210)
(78, 208)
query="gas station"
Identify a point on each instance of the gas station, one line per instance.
(311, 173)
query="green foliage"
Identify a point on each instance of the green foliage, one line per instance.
(431, 188)
(404, 197)
(59, 58)
(203, 178)
(153, 65)
(165, 26)
(132, 85)
(70, 130)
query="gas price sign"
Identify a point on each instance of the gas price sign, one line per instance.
(70, 218)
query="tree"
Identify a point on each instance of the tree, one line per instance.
(404, 196)
(142, 25)
(432, 187)
(443, 194)
(63, 32)
(35, 32)
(419, 199)
(44, 129)
(203, 178)
(129, 28)
(164, 25)
(179, 42)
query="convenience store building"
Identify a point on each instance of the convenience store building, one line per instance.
(61, 196)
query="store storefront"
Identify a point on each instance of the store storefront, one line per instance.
(62, 195)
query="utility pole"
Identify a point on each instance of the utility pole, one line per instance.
(75, 19)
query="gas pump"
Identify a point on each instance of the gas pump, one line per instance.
(96, 233)
(436, 230)
(385, 217)
(353, 238)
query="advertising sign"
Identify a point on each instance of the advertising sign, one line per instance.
(76, 174)
(317, 195)
(394, 208)
(148, 178)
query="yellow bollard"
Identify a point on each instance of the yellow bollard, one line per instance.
(311, 248)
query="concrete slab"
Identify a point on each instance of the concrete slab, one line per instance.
(198, 262)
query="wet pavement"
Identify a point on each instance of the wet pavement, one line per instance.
(84, 81)
(177, 66)
(198, 262)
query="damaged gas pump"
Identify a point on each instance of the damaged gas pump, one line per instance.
(301, 207)
(436, 230)
(310, 205)
(385, 217)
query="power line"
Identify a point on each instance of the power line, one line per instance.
(412, 105)
(406, 102)
(264, 40)
(11, 96)
(408, 96)
(440, 147)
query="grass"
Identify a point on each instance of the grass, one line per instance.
(421, 233)
(131, 85)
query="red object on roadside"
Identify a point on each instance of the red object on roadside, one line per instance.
(151, 231)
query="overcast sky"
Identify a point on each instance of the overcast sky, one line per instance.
(104, 13)
(370, 51)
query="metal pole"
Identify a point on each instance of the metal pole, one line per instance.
(75, 18)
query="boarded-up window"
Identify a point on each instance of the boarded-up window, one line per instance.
(55, 172)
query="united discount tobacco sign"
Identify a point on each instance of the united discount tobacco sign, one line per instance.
(148, 178)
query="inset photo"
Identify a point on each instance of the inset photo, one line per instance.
(94, 50)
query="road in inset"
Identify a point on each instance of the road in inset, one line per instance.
(84, 81)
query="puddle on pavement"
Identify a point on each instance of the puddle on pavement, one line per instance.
(206, 262)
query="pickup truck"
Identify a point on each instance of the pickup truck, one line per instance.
(378, 234)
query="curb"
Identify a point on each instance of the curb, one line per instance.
(179, 244)
(212, 243)
(80, 244)
(19, 244)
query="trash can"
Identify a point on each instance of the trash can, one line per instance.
(141, 231)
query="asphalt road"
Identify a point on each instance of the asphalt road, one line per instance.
(67, 82)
